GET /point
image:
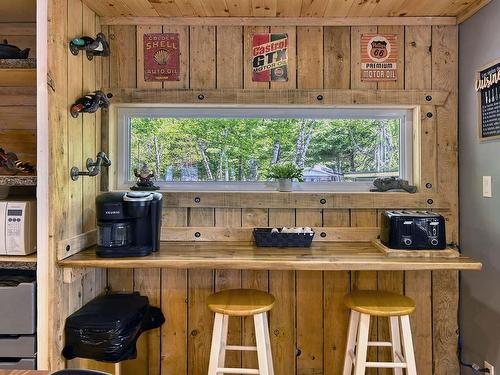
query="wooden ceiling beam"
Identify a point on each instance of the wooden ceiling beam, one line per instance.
(280, 21)
(471, 10)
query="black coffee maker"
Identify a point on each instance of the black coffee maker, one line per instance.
(128, 224)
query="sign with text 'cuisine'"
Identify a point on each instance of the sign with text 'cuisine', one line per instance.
(161, 57)
(379, 56)
(487, 86)
(269, 57)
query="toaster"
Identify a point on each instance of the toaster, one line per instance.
(413, 230)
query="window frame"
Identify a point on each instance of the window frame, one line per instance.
(125, 112)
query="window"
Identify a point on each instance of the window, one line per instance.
(232, 148)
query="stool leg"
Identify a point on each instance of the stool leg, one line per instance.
(118, 368)
(216, 344)
(222, 353)
(260, 339)
(351, 341)
(408, 346)
(362, 344)
(396, 342)
(268, 346)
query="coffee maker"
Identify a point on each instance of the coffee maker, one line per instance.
(128, 224)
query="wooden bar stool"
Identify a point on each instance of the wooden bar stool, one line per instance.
(365, 304)
(240, 302)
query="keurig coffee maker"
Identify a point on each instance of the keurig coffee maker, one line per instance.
(128, 224)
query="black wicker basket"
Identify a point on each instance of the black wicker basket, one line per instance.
(264, 238)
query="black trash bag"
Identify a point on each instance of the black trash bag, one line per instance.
(107, 328)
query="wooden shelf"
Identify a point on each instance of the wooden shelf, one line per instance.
(17, 77)
(27, 262)
(17, 180)
(322, 256)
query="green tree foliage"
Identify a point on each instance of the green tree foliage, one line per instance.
(225, 149)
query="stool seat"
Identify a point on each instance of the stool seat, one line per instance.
(378, 303)
(240, 302)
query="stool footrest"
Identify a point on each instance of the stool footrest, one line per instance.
(386, 364)
(379, 343)
(237, 371)
(241, 348)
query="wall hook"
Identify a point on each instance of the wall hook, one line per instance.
(93, 168)
(93, 47)
(90, 103)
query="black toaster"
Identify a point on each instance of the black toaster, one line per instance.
(413, 230)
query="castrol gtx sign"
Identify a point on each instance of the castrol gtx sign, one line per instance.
(269, 57)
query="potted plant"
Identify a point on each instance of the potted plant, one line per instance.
(285, 173)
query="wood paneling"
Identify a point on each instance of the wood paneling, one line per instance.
(280, 8)
(308, 323)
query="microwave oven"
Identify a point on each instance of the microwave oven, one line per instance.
(17, 227)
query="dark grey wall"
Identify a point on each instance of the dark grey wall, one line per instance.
(479, 217)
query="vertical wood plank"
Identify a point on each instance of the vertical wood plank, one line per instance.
(200, 318)
(292, 57)
(418, 287)
(230, 279)
(183, 82)
(310, 57)
(282, 316)
(123, 61)
(418, 57)
(366, 280)
(141, 83)
(336, 315)
(248, 32)
(337, 57)
(356, 33)
(75, 126)
(174, 297)
(174, 353)
(400, 69)
(445, 292)
(229, 57)
(147, 281)
(202, 56)
(253, 217)
(309, 306)
(445, 286)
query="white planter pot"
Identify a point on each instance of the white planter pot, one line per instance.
(285, 185)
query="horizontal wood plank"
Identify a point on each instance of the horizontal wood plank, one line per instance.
(238, 255)
(319, 97)
(278, 21)
(303, 200)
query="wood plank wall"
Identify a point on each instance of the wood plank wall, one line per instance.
(18, 105)
(309, 322)
(72, 141)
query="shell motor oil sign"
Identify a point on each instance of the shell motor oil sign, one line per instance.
(269, 57)
(161, 57)
(379, 56)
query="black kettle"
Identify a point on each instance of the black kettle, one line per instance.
(8, 51)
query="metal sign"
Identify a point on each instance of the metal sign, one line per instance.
(379, 56)
(269, 57)
(161, 57)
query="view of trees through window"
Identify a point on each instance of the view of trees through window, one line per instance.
(243, 149)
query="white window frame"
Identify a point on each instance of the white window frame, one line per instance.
(125, 112)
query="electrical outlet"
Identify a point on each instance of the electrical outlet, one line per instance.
(487, 189)
(489, 367)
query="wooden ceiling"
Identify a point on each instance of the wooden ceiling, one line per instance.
(284, 8)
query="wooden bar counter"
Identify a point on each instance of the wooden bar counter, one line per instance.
(322, 256)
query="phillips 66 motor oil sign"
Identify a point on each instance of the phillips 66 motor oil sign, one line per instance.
(269, 57)
(161, 57)
(379, 56)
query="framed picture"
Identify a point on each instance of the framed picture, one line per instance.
(161, 57)
(269, 57)
(487, 86)
(379, 56)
